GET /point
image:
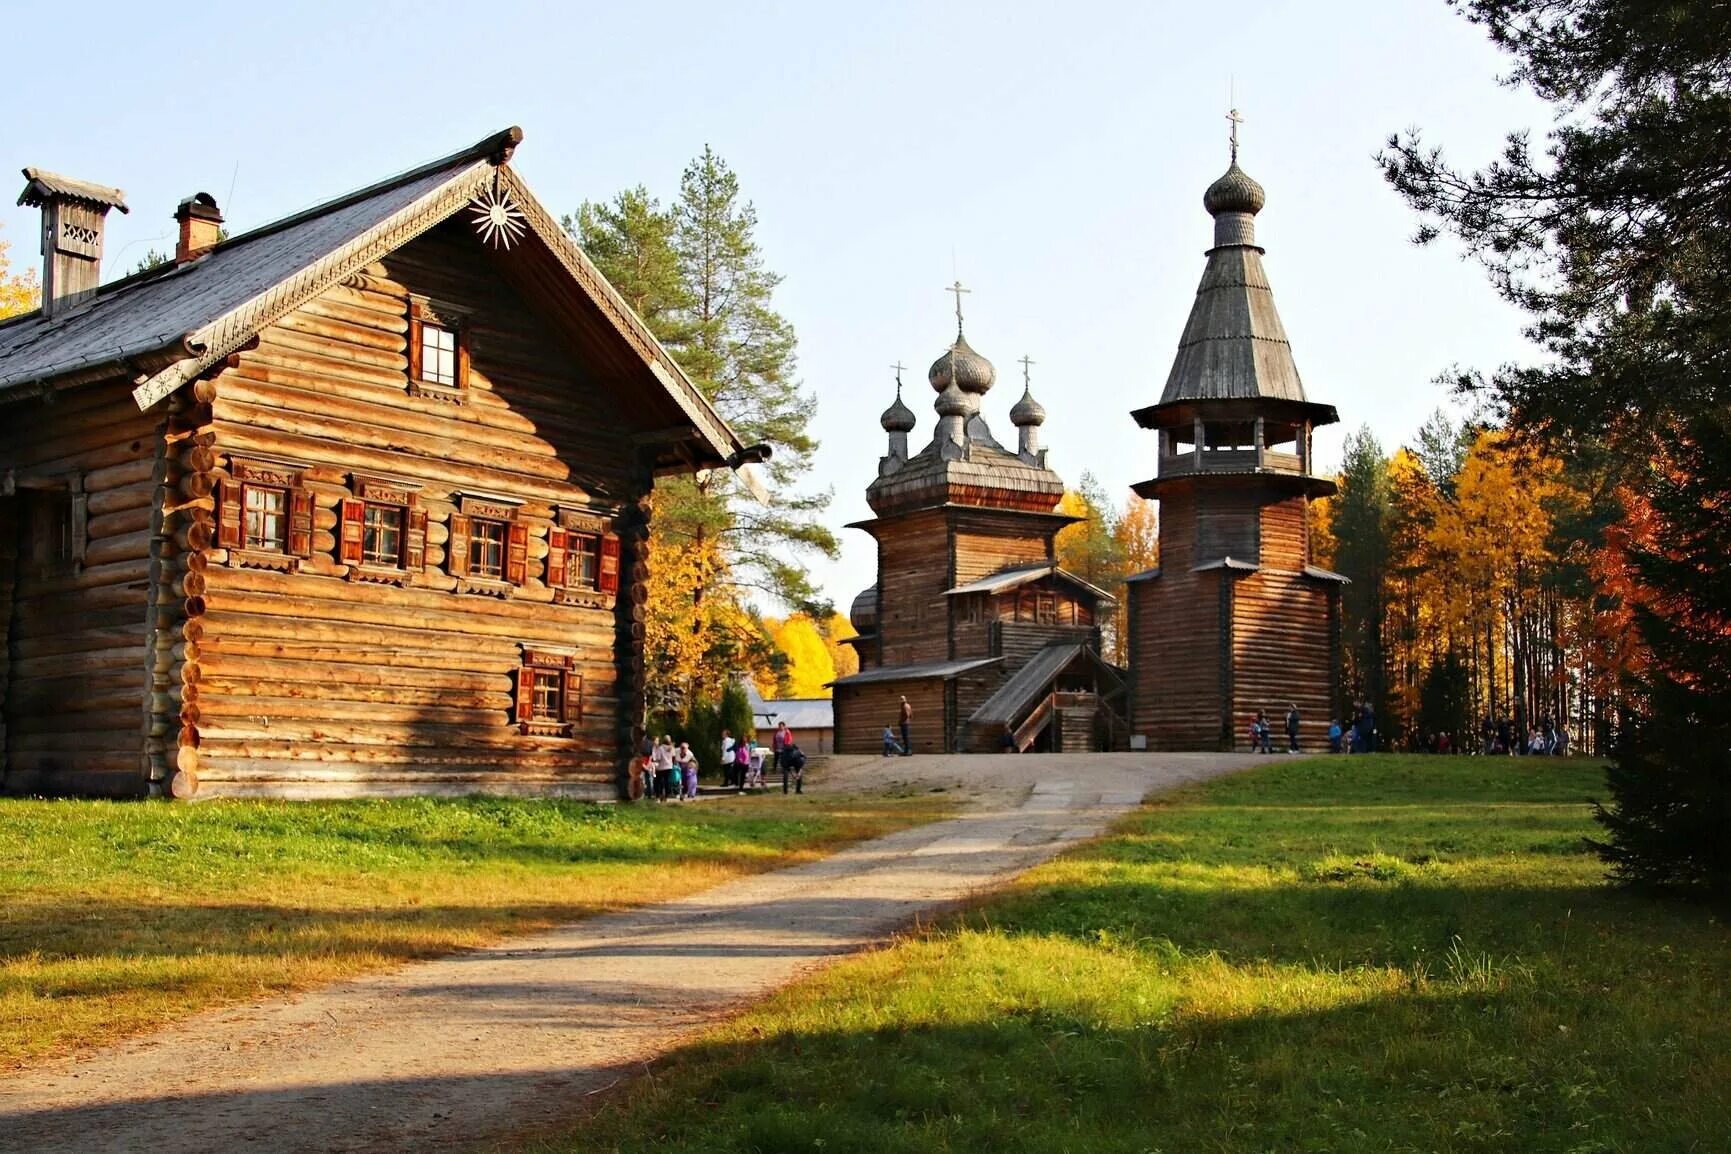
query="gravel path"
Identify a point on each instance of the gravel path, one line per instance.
(445, 1054)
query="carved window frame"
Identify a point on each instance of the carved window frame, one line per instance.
(422, 313)
(541, 665)
(493, 509)
(584, 524)
(379, 492)
(252, 474)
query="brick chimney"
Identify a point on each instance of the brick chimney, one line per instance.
(73, 212)
(200, 227)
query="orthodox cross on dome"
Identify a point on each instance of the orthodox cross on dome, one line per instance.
(1026, 362)
(1236, 120)
(898, 367)
(958, 290)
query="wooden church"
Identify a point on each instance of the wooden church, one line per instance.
(1236, 619)
(352, 503)
(971, 618)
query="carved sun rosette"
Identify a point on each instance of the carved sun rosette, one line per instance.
(497, 218)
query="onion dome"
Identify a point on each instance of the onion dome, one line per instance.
(864, 611)
(963, 367)
(1234, 192)
(952, 402)
(898, 418)
(1027, 411)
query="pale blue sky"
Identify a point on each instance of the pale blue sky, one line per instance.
(1055, 153)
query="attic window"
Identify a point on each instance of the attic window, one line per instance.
(438, 352)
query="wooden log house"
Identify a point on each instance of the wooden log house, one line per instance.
(353, 503)
(1236, 619)
(971, 618)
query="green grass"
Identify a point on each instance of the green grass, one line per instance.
(119, 917)
(1369, 954)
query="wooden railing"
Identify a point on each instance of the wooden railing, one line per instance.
(1035, 722)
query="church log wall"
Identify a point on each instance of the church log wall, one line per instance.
(1281, 656)
(862, 711)
(913, 613)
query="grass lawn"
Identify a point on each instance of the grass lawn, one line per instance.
(1370, 954)
(117, 917)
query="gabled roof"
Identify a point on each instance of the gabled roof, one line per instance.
(1019, 575)
(166, 326)
(943, 670)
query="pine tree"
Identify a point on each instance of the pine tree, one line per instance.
(1360, 519)
(1615, 237)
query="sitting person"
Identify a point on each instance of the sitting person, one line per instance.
(1007, 742)
(1334, 737)
(892, 747)
(754, 767)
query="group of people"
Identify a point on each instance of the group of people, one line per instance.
(1359, 736)
(1261, 736)
(1506, 737)
(669, 770)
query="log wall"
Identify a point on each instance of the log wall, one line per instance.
(310, 683)
(77, 641)
(862, 711)
(914, 571)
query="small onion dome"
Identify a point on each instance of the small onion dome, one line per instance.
(1234, 192)
(864, 611)
(963, 367)
(1027, 411)
(952, 402)
(898, 418)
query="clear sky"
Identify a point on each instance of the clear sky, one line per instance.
(1052, 155)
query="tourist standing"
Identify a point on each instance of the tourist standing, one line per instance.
(727, 744)
(1292, 729)
(1334, 736)
(779, 741)
(907, 721)
(741, 763)
(662, 761)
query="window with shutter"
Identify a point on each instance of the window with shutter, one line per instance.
(549, 693)
(352, 523)
(609, 576)
(415, 541)
(229, 534)
(438, 350)
(556, 542)
(300, 526)
(487, 548)
(517, 553)
(457, 546)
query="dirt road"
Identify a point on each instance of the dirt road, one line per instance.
(445, 1054)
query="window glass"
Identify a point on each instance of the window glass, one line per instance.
(438, 355)
(487, 548)
(382, 538)
(266, 512)
(583, 564)
(549, 704)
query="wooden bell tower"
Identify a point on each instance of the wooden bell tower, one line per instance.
(1236, 619)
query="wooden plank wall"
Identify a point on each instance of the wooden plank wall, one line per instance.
(1282, 655)
(76, 652)
(862, 711)
(1175, 645)
(914, 572)
(307, 684)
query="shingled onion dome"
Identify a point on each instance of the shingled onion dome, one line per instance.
(963, 367)
(1028, 411)
(898, 418)
(952, 402)
(1233, 201)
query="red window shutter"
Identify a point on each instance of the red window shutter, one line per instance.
(300, 526)
(516, 553)
(415, 313)
(463, 358)
(415, 540)
(457, 547)
(609, 582)
(556, 558)
(525, 695)
(228, 534)
(573, 703)
(352, 523)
